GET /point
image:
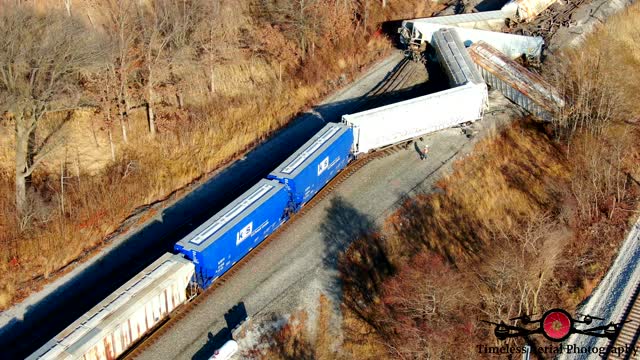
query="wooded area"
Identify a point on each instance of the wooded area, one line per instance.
(110, 105)
(530, 220)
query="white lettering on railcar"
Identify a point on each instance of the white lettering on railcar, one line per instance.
(243, 234)
(324, 165)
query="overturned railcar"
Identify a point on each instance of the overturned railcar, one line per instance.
(520, 85)
(399, 122)
(454, 59)
(124, 317)
(215, 246)
(315, 163)
(416, 34)
(527, 10)
(488, 20)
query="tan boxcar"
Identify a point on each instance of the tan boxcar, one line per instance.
(111, 327)
(530, 9)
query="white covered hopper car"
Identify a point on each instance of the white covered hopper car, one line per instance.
(125, 316)
(419, 32)
(395, 123)
(454, 59)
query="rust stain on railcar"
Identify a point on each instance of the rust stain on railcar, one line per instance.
(531, 85)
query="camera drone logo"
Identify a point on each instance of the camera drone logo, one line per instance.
(556, 325)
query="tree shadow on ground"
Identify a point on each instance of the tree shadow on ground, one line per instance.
(356, 250)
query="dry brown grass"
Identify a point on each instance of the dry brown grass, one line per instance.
(250, 102)
(508, 179)
(486, 219)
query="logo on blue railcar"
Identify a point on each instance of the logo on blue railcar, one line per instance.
(324, 165)
(244, 233)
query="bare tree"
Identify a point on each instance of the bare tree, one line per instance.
(214, 39)
(156, 25)
(67, 6)
(298, 18)
(594, 101)
(120, 26)
(42, 58)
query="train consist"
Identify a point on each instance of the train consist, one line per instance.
(138, 307)
(214, 247)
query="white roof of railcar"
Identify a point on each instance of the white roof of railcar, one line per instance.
(304, 155)
(355, 118)
(462, 18)
(457, 62)
(230, 215)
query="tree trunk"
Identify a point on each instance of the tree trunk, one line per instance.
(23, 160)
(113, 148)
(212, 81)
(151, 119)
(123, 127)
(67, 5)
(180, 100)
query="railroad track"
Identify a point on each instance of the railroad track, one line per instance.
(628, 335)
(401, 73)
(547, 23)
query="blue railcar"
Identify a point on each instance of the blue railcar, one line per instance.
(315, 163)
(234, 231)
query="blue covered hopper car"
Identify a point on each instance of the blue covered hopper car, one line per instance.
(315, 163)
(234, 231)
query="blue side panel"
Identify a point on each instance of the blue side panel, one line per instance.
(215, 259)
(323, 166)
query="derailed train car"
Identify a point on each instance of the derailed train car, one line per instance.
(419, 33)
(527, 10)
(518, 84)
(215, 246)
(454, 59)
(317, 162)
(405, 120)
(234, 231)
(124, 317)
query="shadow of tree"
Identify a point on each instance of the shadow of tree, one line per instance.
(357, 250)
(419, 224)
(342, 225)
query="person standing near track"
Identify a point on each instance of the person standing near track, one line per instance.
(425, 152)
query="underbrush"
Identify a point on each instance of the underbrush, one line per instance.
(505, 236)
(74, 206)
(530, 221)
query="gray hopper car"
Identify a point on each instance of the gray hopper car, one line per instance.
(454, 59)
(520, 85)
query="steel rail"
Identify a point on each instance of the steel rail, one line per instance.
(394, 81)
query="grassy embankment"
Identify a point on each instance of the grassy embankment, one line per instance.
(530, 221)
(256, 92)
